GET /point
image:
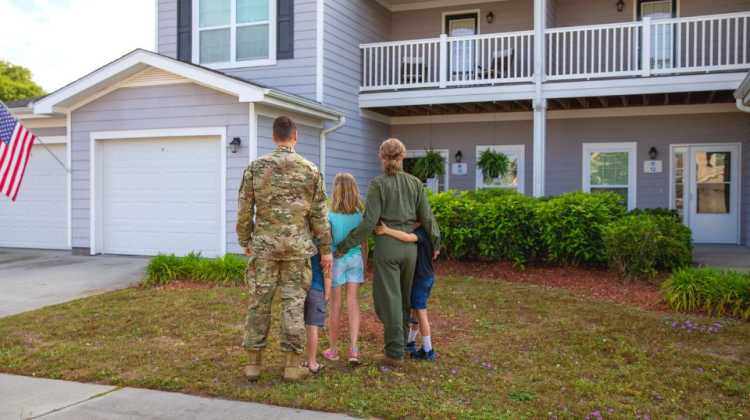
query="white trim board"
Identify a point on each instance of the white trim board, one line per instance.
(319, 50)
(631, 148)
(94, 137)
(636, 111)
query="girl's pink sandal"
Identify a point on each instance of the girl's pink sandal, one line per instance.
(354, 356)
(331, 355)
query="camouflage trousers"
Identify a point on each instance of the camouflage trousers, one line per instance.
(292, 279)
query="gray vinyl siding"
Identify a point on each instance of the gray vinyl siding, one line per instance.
(353, 148)
(295, 75)
(50, 132)
(565, 140)
(167, 27)
(466, 137)
(510, 15)
(308, 141)
(156, 107)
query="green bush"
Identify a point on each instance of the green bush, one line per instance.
(709, 289)
(632, 244)
(509, 229)
(223, 271)
(457, 216)
(640, 245)
(672, 213)
(572, 226)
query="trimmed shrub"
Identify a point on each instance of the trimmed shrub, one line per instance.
(457, 216)
(509, 229)
(228, 270)
(572, 226)
(632, 244)
(712, 290)
(672, 213)
(640, 245)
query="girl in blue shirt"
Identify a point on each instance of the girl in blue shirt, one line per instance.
(349, 269)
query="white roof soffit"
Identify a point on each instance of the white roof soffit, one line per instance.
(133, 63)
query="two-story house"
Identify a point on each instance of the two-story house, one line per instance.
(631, 96)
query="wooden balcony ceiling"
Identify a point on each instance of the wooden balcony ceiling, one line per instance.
(682, 98)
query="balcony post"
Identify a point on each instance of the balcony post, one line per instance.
(443, 61)
(539, 103)
(646, 47)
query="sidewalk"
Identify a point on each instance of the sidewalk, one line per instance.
(33, 398)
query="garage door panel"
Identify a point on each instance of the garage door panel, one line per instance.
(161, 196)
(38, 218)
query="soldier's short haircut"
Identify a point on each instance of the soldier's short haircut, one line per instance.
(283, 127)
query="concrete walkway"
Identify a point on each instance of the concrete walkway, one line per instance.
(31, 279)
(33, 398)
(732, 257)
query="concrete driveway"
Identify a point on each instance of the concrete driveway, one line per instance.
(31, 279)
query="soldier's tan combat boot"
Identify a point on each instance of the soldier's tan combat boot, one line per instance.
(293, 369)
(252, 371)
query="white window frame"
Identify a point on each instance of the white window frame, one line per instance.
(632, 150)
(233, 25)
(516, 149)
(445, 153)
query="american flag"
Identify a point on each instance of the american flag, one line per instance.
(15, 149)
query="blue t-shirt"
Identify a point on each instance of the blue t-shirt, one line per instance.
(341, 225)
(317, 273)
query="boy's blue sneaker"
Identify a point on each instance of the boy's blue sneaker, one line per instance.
(424, 355)
(411, 348)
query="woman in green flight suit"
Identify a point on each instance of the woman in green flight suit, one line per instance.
(400, 201)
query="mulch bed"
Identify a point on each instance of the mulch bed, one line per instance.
(597, 284)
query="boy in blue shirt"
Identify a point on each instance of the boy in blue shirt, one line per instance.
(424, 279)
(315, 311)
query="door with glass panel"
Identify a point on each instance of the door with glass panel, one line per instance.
(461, 56)
(706, 191)
(662, 36)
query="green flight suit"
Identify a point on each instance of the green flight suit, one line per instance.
(399, 201)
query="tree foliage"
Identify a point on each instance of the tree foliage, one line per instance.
(16, 83)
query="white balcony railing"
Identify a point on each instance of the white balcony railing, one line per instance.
(671, 46)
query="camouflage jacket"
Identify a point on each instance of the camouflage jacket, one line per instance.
(282, 207)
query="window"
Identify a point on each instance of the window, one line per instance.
(514, 179)
(437, 184)
(611, 167)
(234, 33)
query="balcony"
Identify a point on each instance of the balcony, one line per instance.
(689, 45)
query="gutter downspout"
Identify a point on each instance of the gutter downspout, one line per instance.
(742, 107)
(323, 137)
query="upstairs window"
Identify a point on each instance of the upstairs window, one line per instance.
(234, 33)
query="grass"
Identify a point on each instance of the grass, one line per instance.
(228, 270)
(505, 351)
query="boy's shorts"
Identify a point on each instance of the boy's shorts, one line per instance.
(348, 269)
(420, 292)
(315, 308)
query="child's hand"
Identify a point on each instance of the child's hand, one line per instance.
(381, 229)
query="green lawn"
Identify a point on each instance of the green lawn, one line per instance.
(505, 350)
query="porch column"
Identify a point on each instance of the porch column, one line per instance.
(540, 142)
(540, 104)
(252, 128)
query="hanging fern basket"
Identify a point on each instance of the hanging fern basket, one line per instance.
(493, 165)
(431, 165)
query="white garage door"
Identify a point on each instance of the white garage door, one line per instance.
(159, 196)
(38, 218)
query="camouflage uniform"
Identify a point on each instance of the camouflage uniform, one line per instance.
(281, 209)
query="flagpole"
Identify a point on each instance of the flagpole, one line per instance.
(38, 139)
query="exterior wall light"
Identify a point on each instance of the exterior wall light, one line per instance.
(490, 17)
(235, 144)
(620, 5)
(653, 153)
(459, 156)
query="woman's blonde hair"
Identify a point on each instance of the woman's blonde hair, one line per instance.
(392, 152)
(346, 197)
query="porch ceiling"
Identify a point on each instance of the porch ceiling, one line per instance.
(595, 102)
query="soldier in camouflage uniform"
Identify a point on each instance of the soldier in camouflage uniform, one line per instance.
(282, 209)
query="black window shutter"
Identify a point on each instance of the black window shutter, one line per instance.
(285, 29)
(185, 30)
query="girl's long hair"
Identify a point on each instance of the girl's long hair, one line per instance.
(346, 197)
(392, 152)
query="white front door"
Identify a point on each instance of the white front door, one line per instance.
(706, 191)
